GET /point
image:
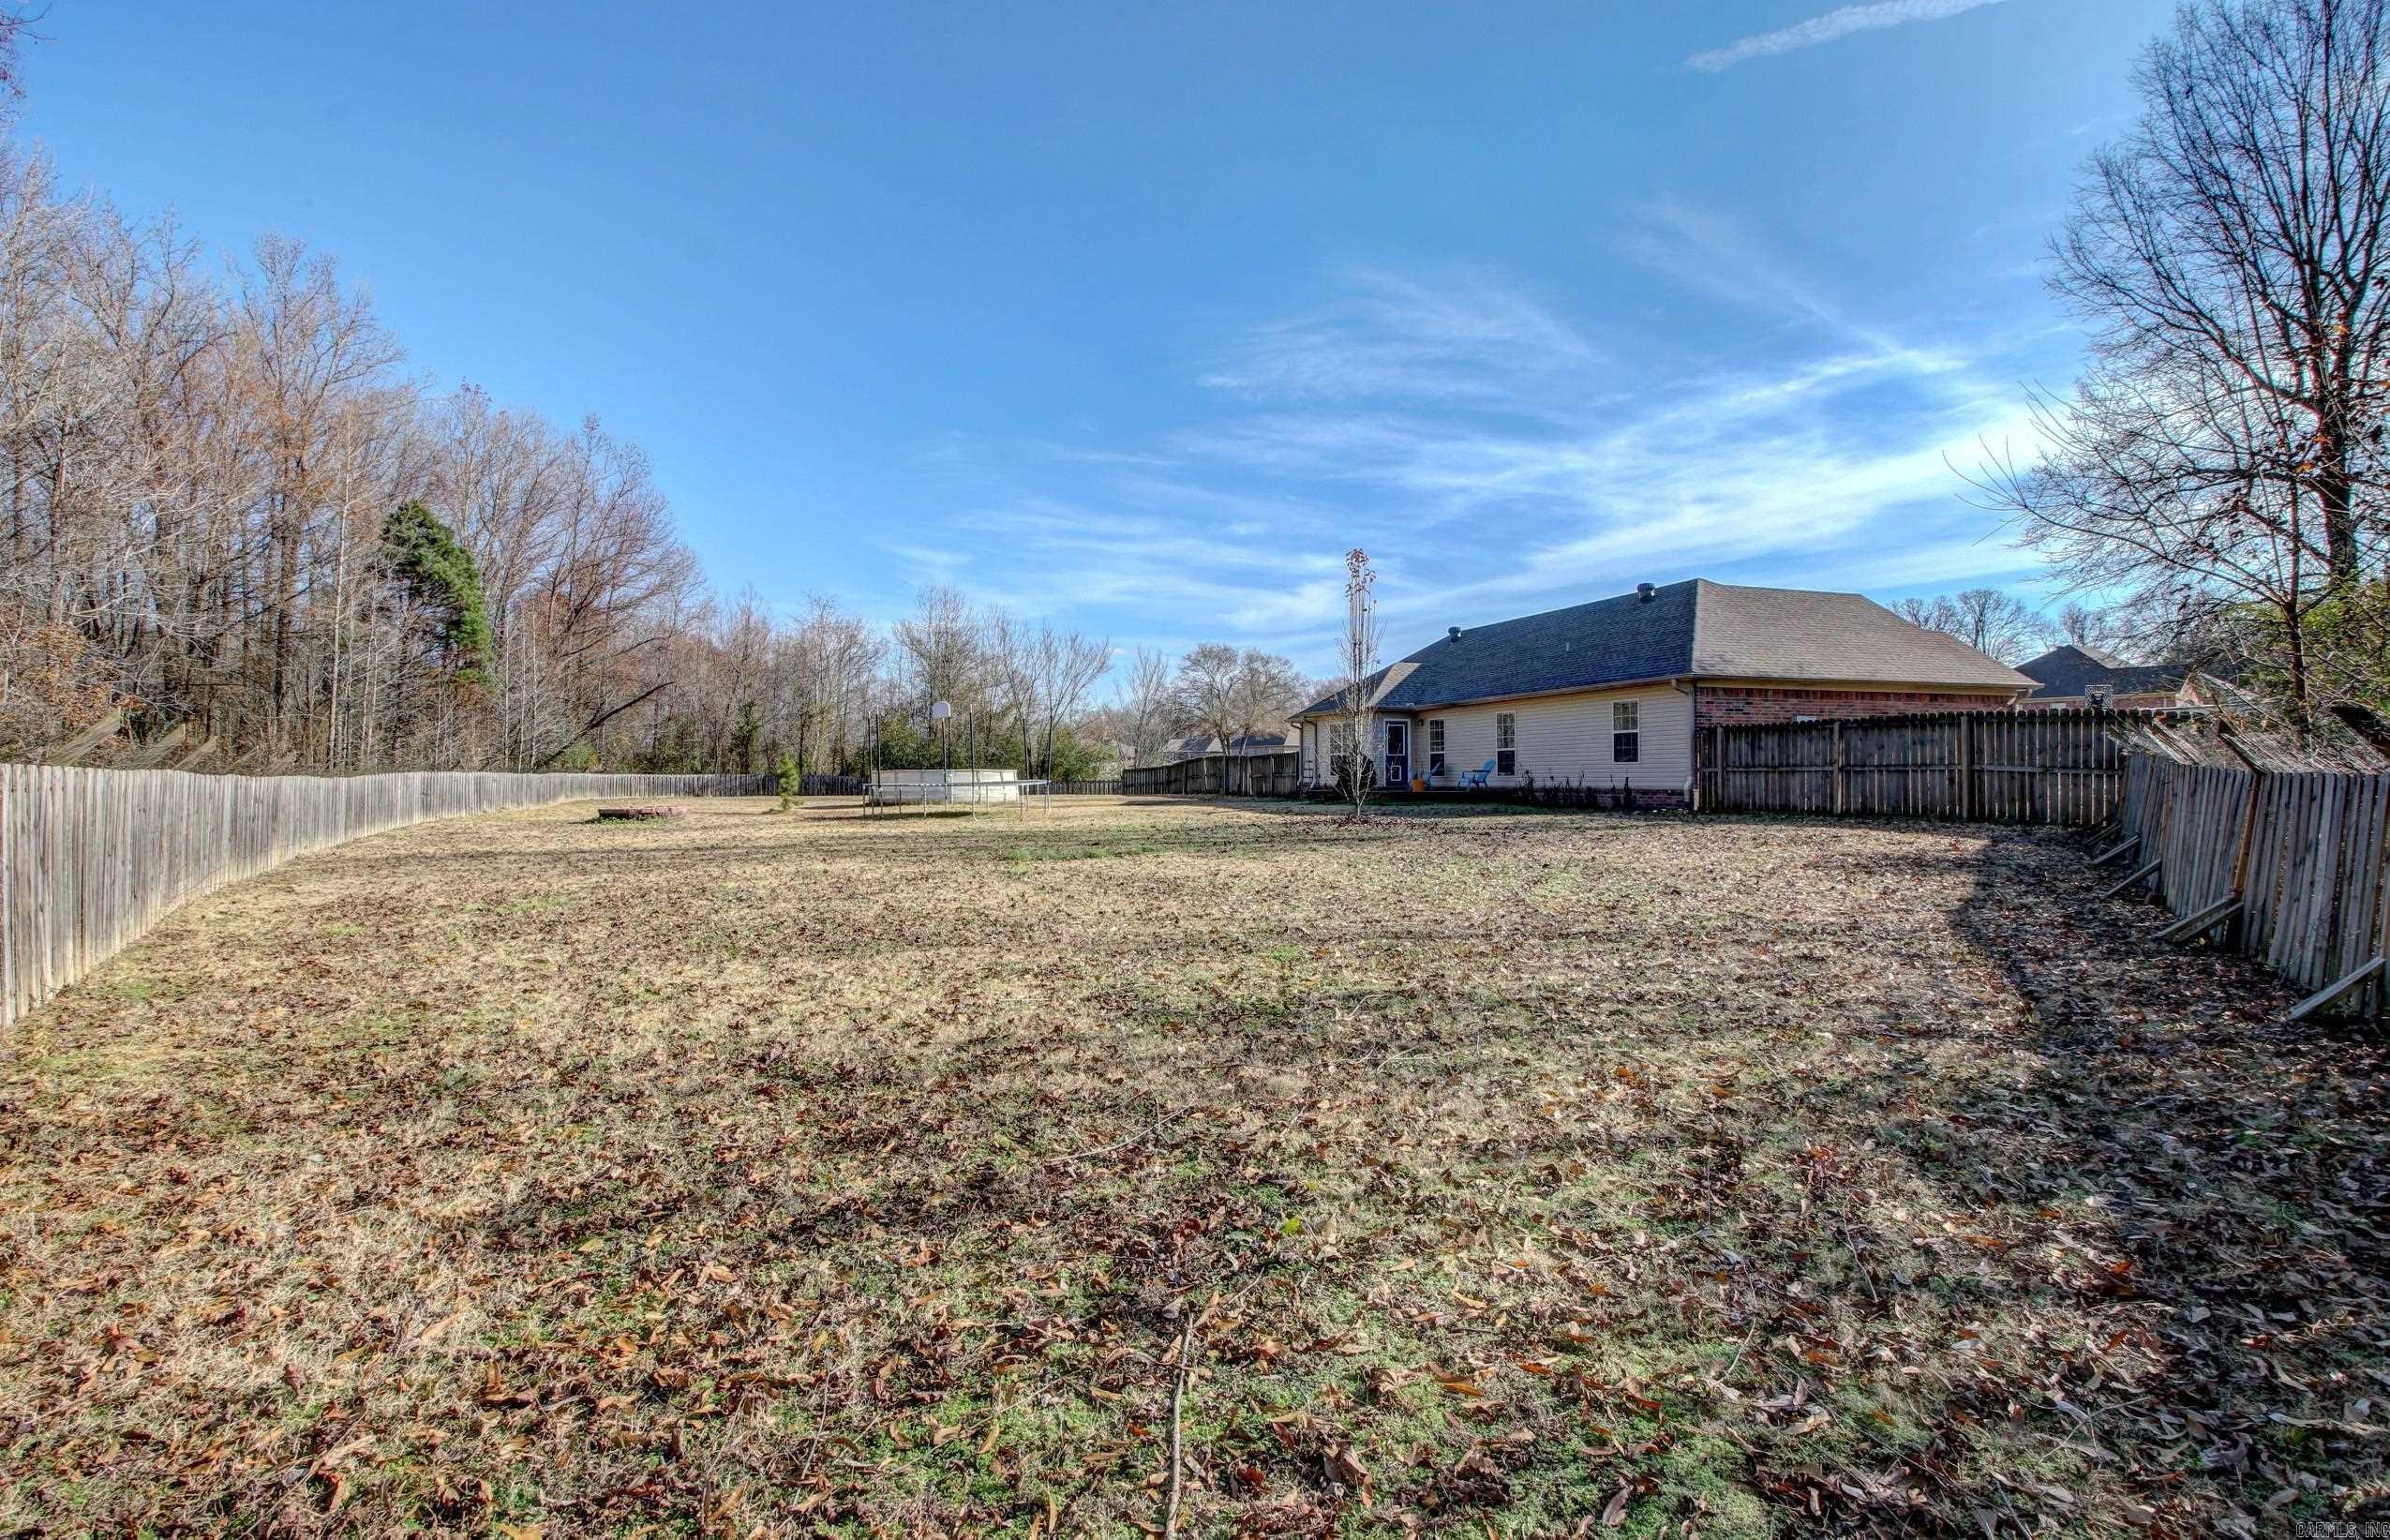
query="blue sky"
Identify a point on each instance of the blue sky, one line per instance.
(1140, 316)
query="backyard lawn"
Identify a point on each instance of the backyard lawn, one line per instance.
(1499, 1172)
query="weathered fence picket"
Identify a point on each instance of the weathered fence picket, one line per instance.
(1993, 766)
(2301, 851)
(1219, 775)
(91, 859)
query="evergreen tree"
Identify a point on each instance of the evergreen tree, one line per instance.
(438, 575)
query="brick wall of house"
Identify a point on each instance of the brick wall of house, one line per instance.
(1729, 706)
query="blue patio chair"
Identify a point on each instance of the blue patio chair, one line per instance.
(1477, 777)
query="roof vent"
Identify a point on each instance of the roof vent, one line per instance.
(1646, 592)
(1455, 633)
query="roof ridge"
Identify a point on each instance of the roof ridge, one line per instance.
(1776, 588)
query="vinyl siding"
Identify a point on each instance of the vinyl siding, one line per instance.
(1567, 738)
(1316, 731)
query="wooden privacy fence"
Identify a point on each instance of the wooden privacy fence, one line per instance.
(1219, 775)
(2286, 865)
(1991, 767)
(91, 859)
(1085, 788)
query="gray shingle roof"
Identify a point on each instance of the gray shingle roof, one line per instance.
(2071, 670)
(1205, 743)
(1692, 629)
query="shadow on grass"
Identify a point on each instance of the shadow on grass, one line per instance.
(2180, 1209)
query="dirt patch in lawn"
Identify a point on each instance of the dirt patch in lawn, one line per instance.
(1513, 1174)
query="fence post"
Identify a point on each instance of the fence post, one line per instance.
(1842, 772)
(1966, 766)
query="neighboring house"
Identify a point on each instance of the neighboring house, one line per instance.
(1622, 690)
(2074, 675)
(1204, 744)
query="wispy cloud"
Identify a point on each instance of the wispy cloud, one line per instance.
(1827, 28)
(1456, 336)
(1695, 248)
(1500, 456)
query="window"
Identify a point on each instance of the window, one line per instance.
(1435, 746)
(1626, 736)
(1505, 743)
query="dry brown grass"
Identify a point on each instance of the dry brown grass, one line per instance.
(1522, 1172)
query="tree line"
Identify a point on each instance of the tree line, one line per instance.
(238, 536)
(228, 514)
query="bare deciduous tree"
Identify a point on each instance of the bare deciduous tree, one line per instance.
(1063, 666)
(1144, 711)
(1206, 695)
(942, 653)
(1229, 695)
(16, 23)
(2221, 459)
(1997, 625)
(2101, 631)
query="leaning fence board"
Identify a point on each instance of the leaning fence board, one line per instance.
(2366, 976)
(2134, 881)
(91, 859)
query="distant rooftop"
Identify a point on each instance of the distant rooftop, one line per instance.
(2074, 669)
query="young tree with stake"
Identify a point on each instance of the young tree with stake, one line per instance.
(1356, 669)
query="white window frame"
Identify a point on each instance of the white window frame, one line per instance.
(1340, 742)
(1626, 732)
(1435, 747)
(1505, 743)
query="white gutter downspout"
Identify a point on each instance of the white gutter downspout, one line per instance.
(1692, 693)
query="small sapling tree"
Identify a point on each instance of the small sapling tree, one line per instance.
(1356, 668)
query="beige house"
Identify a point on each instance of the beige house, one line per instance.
(1619, 692)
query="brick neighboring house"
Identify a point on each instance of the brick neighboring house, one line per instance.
(1622, 689)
